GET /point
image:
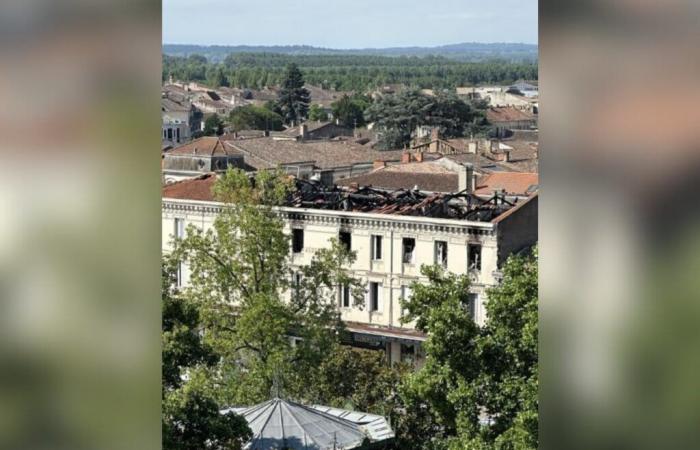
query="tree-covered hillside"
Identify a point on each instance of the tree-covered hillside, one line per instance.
(345, 72)
(470, 51)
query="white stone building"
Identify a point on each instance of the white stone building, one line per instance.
(390, 249)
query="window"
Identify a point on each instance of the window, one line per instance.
(177, 133)
(345, 296)
(441, 253)
(406, 293)
(345, 238)
(473, 300)
(474, 255)
(408, 353)
(297, 240)
(170, 134)
(179, 228)
(296, 284)
(374, 297)
(376, 247)
(409, 244)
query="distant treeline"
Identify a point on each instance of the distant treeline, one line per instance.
(468, 51)
(346, 72)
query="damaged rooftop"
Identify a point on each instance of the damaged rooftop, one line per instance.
(403, 202)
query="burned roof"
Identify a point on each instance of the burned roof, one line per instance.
(402, 202)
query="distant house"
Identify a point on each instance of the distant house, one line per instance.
(209, 102)
(526, 89)
(203, 155)
(177, 120)
(318, 130)
(326, 159)
(510, 118)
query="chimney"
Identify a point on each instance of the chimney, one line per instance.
(378, 164)
(434, 146)
(419, 157)
(472, 148)
(405, 158)
(466, 179)
(434, 134)
(303, 131)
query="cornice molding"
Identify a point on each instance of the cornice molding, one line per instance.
(342, 219)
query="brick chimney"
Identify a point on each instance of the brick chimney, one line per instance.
(502, 155)
(466, 179)
(378, 164)
(418, 157)
(405, 158)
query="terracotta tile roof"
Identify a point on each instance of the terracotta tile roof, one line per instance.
(168, 104)
(193, 189)
(508, 114)
(428, 176)
(264, 153)
(514, 183)
(206, 146)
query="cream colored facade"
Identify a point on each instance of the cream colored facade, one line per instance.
(378, 323)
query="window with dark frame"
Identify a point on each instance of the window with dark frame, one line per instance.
(474, 254)
(408, 353)
(441, 253)
(345, 296)
(296, 279)
(409, 245)
(297, 240)
(376, 247)
(471, 306)
(179, 228)
(373, 296)
(345, 238)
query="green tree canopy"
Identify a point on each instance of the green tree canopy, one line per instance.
(398, 115)
(317, 113)
(251, 117)
(492, 375)
(271, 326)
(213, 125)
(293, 99)
(350, 110)
(190, 418)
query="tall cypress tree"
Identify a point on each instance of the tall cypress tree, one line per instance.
(293, 98)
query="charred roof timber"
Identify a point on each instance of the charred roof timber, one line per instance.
(461, 205)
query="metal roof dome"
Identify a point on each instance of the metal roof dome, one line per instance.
(281, 424)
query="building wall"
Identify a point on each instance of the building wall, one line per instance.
(390, 271)
(518, 230)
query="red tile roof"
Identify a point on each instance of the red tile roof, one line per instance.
(508, 114)
(199, 188)
(514, 183)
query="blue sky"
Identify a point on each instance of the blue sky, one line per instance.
(348, 24)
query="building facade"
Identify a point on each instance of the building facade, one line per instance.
(390, 251)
